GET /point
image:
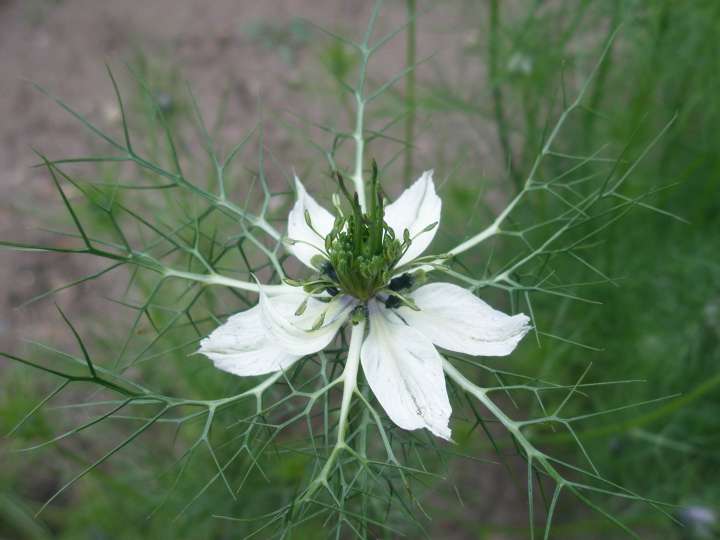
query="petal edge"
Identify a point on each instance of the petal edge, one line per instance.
(241, 346)
(455, 319)
(405, 373)
(417, 207)
(309, 242)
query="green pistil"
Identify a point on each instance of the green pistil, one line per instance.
(362, 253)
(362, 249)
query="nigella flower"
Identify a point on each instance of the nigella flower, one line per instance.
(367, 266)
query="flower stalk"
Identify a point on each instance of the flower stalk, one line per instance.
(349, 379)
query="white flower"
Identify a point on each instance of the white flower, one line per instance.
(398, 355)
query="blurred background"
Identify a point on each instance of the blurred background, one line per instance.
(477, 110)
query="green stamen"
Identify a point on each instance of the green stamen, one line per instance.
(362, 248)
(361, 252)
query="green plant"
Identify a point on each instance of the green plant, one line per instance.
(342, 463)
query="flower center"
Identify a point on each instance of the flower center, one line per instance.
(362, 252)
(362, 249)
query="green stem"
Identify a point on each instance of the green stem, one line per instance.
(217, 279)
(410, 59)
(603, 71)
(349, 378)
(497, 95)
(532, 454)
(625, 426)
(494, 227)
(359, 137)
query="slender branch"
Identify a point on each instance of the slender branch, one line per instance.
(410, 59)
(497, 94)
(494, 228)
(539, 461)
(257, 391)
(217, 279)
(360, 102)
(359, 138)
(349, 378)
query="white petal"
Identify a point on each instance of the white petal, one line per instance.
(405, 373)
(294, 333)
(241, 346)
(309, 242)
(417, 208)
(455, 319)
